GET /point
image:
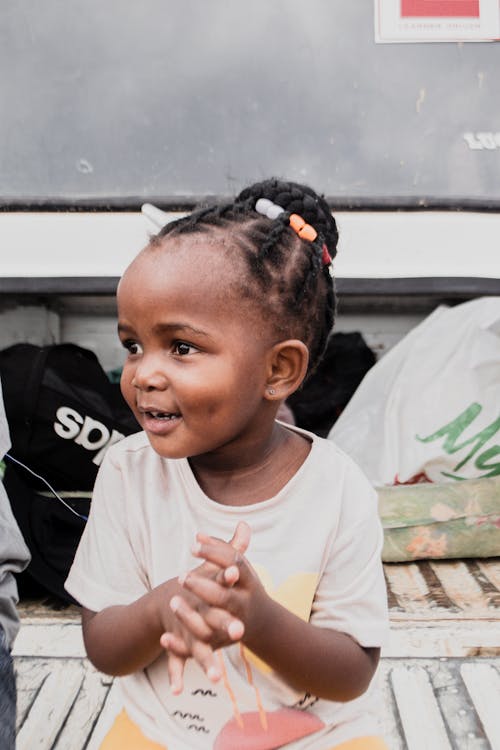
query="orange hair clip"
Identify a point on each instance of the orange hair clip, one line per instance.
(296, 222)
(305, 231)
(308, 233)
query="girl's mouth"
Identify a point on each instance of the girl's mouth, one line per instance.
(160, 422)
(163, 415)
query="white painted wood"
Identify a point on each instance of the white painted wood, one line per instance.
(426, 243)
(70, 244)
(428, 639)
(112, 708)
(491, 570)
(408, 584)
(30, 675)
(389, 728)
(85, 711)
(56, 639)
(483, 683)
(32, 324)
(52, 704)
(460, 586)
(418, 710)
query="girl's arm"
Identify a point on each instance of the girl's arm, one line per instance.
(321, 661)
(122, 639)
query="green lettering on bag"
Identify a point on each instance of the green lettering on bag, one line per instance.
(483, 458)
(452, 431)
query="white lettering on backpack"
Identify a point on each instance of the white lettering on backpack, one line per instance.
(87, 432)
(70, 421)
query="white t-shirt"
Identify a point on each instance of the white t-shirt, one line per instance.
(316, 548)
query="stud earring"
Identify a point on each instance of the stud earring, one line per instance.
(271, 391)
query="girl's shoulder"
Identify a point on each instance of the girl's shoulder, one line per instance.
(326, 451)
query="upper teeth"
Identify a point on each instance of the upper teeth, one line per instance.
(162, 414)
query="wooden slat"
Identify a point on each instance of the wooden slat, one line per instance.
(112, 707)
(419, 712)
(462, 722)
(483, 684)
(491, 569)
(438, 598)
(55, 639)
(432, 639)
(30, 675)
(408, 586)
(53, 702)
(85, 711)
(389, 718)
(460, 586)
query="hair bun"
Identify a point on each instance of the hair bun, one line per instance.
(299, 199)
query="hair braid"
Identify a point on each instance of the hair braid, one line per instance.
(299, 292)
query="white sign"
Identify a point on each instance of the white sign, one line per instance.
(437, 20)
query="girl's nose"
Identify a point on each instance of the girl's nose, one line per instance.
(149, 375)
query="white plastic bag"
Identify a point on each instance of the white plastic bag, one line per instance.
(430, 409)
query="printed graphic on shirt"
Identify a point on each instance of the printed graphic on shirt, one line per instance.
(245, 720)
(283, 726)
(296, 593)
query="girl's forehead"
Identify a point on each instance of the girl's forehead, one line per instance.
(198, 271)
(193, 256)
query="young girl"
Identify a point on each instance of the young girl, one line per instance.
(230, 569)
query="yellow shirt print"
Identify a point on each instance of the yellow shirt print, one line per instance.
(296, 594)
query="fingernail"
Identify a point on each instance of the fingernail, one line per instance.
(175, 603)
(235, 629)
(213, 674)
(182, 578)
(195, 549)
(175, 689)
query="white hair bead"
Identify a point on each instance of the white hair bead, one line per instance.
(262, 206)
(267, 208)
(274, 211)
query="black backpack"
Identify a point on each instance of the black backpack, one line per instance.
(318, 404)
(63, 413)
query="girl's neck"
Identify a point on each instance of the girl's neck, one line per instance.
(263, 472)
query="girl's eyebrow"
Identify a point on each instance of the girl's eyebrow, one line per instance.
(168, 328)
(179, 327)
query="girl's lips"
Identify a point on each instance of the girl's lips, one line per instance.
(159, 425)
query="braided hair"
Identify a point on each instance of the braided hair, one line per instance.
(288, 275)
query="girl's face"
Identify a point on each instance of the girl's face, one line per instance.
(197, 359)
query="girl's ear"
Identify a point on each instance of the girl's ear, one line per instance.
(287, 369)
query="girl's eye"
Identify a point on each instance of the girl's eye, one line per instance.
(132, 347)
(181, 348)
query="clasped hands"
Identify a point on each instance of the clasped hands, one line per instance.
(215, 607)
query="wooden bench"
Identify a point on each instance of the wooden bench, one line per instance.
(440, 673)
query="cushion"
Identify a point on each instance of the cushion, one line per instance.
(450, 520)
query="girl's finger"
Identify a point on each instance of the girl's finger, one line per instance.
(205, 657)
(218, 616)
(190, 618)
(239, 541)
(209, 591)
(231, 575)
(173, 642)
(175, 669)
(241, 537)
(220, 553)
